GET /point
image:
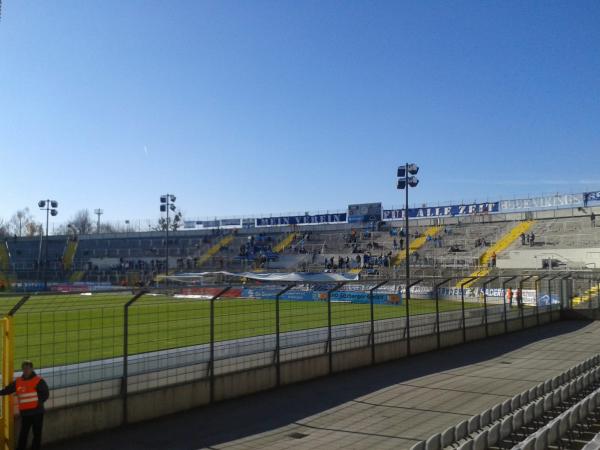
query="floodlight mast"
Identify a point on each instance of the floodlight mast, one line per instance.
(404, 182)
(98, 212)
(167, 203)
(50, 206)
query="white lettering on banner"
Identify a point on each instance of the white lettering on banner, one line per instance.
(301, 220)
(551, 201)
(441, 211)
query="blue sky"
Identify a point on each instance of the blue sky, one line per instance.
(273, 106)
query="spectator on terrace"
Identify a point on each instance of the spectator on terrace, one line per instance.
(395, 244)
(593, 218)
(522, 238)
(519, 298)
(401, 244)
(531, 239)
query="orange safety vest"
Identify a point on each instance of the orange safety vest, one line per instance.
(26, 391)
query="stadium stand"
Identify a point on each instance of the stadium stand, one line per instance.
(569, 243)
(221, 244)
(490, 255)
(467, 246)
(69, 254)
(559, 412)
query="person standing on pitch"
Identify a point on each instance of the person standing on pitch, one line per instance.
(31, 391)
(519, 296)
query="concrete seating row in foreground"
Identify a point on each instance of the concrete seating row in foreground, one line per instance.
(513, 420)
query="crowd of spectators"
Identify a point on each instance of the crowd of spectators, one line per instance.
(528, 239)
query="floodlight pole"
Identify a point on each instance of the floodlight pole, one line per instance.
(46, 246)
(407, 249)
(167, 247)
(48, 206)
(98, 212)
(406, 179)
(167, 201)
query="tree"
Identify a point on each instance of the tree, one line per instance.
(33, 229)
(109, 228)
(4, 228)
(175, 223)
(82, 221)
(20, 221)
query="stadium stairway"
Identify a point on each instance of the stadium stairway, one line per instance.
(587, 296)
(502, 244)
(416, 244)
(77, 276)
(69, 254)
(4, 257)
(284, 243)
(4, 265)
(212, 251)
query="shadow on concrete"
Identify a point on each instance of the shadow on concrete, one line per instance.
(234, 419)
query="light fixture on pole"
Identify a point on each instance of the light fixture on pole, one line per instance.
(50, 207)
(167, 204)
(98, 212)
(407, 179)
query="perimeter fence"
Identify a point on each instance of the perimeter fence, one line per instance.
(124, 345)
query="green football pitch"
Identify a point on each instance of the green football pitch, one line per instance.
(66, 329)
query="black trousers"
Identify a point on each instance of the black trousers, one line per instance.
(35, 422)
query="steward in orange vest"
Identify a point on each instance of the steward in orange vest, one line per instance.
(31, 391)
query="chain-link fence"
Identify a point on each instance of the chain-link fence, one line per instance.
(115, 344)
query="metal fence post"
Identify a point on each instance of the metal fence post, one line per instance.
(211, 361)
(407, 321)
(538, 287)
(124, 386)
(537, 300)
(329, 337)
(504, 283)
(485, 311)
(521, 306)
(278, 333)
(571, 283)
(437, 311)
(550, 291)
(550, 280)
(407, 314)
(462, 307)
(8, 370)
(372, 333)
(564, 291)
